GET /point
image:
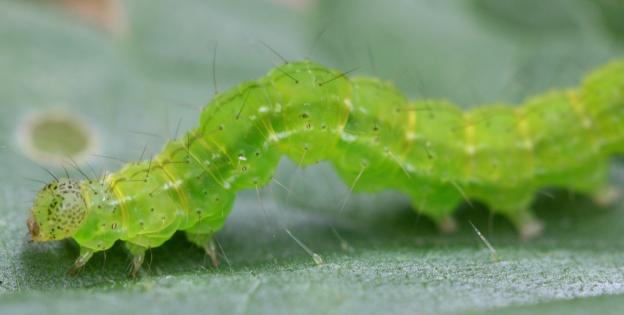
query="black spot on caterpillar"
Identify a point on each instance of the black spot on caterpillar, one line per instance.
(436, 153)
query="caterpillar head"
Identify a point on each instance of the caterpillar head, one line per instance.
(58, 211)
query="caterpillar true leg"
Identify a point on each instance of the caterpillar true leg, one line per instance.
(138, 257)
(81, 261)
(205, 241)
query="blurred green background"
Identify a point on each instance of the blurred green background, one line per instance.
(135, 70)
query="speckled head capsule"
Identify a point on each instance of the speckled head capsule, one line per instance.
(57, 212)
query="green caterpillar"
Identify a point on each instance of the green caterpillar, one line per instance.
(431, 150)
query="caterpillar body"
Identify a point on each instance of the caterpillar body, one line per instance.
(431, 150)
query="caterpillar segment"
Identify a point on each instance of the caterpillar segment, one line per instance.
(433, 151)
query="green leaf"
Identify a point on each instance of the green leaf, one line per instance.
(134, 87)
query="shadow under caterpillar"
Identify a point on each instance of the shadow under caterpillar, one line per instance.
(431, 150)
